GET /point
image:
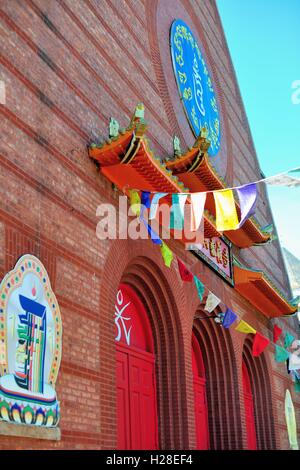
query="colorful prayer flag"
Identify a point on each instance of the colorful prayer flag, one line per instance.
(135, 201)
(248, 198)
(243, 327)
(259, 344)
(229, 318)
(185, 274)
(276, 333)
(167, 254)
(294, 362)
(288, 339)
(297, 384)
(197, 209)
(212, 302)
(154, 204)
(145, 199)
(281, 354)
(200, 287)
(177, 211)
(226, 215)
(154, 236)
(283, 180)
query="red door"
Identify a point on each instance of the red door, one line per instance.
(249, 410)
(136, 390)
(201, 415)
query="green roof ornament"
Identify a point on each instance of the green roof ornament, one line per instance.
(176, 146)
(139, 111)
(204, 132)
(113, 127)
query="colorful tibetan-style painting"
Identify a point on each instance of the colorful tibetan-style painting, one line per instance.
(30, 345)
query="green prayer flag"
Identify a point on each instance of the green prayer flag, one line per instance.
(177, 211)
(281, 354)
(166, 254)
(288, 339)
(200, 287)
(297, 385)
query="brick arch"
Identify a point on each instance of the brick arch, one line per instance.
(139, 264)
(225, 427)
(257, 368)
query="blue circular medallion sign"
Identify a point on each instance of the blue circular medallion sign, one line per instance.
(195, 85)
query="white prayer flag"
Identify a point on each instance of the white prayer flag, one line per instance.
(283, 180)
(294, 362)
(212, 302)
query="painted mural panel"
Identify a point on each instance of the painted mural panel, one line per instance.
(30, 345)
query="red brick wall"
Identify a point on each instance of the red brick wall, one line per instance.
(68, 66)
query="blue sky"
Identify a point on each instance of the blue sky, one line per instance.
(264, 41)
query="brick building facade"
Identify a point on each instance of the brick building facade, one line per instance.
(68, 67)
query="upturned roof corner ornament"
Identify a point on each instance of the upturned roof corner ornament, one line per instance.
(113, 130)
(138, 120)
(176, 146)
(202, 142)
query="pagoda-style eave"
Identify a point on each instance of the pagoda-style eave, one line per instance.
(258, 290)
(127, 160)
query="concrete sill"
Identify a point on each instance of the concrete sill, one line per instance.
(26, 430)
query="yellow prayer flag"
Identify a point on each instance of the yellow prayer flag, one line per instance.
(135, 201)
(226, 215)
(243, 327)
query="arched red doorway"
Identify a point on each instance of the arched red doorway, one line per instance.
(201, 414)
(249, 410)
(135, 373)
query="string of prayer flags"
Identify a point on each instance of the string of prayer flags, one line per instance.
(200, 287)
(145, 199)
(243, 327)
(248, 199)
(177, 211)
(135, 201)
(197, 209)
(167, 254)
(288, 339)
(154, 204)
(212, 302)
(226, 215)
(281, 354)
(229, 318)
(276, 333)
(185, 274)
(259, 344)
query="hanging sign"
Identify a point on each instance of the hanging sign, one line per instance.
(216, 252)
(30, 345)
(195, 84)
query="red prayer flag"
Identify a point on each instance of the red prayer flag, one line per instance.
(259, 344)
(185, 274)
(276, 333)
